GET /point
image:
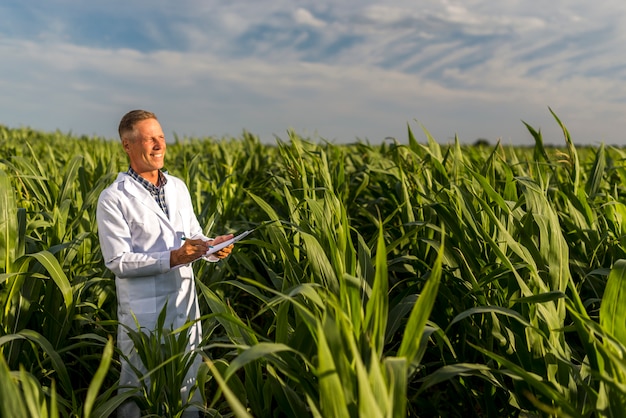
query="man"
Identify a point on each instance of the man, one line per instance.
(145, 221)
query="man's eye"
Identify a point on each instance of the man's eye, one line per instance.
(153, 140)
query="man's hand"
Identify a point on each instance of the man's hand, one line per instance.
(224, 252)
(191, 250)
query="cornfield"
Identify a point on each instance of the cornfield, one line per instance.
(388, 280)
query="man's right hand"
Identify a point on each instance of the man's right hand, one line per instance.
(191, 250)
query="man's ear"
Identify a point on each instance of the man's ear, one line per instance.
(126, 144)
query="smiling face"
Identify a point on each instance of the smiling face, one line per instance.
(145, 146)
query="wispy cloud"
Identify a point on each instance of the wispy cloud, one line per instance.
(341, 69)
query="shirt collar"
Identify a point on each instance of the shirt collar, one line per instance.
(145, 183)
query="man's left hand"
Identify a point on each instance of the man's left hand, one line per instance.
(224, 252)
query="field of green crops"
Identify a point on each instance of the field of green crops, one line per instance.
(409, 278)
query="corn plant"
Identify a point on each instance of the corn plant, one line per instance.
(405, 278)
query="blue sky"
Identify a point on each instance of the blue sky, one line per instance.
(337, 71)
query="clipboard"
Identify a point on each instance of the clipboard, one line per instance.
(215, 248)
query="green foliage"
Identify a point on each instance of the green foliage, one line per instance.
(166, 362)
(391, 280)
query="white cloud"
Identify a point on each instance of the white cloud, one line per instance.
(305, 17)
(344, 70)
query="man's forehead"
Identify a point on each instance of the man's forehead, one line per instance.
(150, 127)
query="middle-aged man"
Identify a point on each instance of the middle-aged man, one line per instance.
(149, 235)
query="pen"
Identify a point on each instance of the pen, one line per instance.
(184, 238)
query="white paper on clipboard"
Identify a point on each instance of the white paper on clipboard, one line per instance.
(215, 248)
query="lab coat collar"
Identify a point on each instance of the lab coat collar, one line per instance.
(143, 197)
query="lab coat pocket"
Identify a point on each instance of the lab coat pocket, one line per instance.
(140, 295)
(146, 236)
(138, 232)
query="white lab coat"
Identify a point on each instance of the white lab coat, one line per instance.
(136, 238)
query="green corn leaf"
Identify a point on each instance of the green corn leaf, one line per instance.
(71, 174)
(455, 370)
(409, 347)
(594, 181)
(12, 402)
(613, 306)
(252, 353)
(542, 386)
(332, 397)
(98, 378)
(372, 396)
(238, 409)
(51, 264)
(395, 369)
(57, 363)
(8, 224)
(377, 308)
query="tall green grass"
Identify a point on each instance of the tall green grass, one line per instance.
(402, 279)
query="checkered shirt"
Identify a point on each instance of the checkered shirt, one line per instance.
(157, 192)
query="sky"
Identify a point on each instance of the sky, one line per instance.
(336, 71)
